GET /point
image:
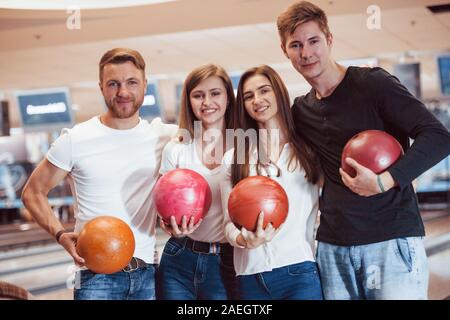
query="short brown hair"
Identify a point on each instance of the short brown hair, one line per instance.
(121, 55)
(187, 116)
(299, 13)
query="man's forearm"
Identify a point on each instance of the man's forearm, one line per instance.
(41, 211)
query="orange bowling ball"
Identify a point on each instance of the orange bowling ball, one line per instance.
(106, 244)
(255, 194)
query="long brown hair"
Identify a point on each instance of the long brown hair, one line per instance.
(301, 153)
(187, 116)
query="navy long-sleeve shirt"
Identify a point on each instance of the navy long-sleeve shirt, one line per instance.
(370, 98)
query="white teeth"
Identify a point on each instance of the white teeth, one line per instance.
(262, 109)
(209, 110)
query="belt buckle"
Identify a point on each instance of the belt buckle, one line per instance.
(129, 267)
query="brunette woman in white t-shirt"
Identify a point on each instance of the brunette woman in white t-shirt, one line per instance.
(269, 263)
(197, 261)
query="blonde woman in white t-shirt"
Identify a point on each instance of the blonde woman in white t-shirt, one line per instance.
(197, 261)
(269, 263)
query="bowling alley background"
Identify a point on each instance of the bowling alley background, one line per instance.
(49, 57)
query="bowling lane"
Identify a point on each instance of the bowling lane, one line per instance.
(436, 223)
(43, 279)
(26, 263)
(439, 267)
(437, 244)
(47, 270)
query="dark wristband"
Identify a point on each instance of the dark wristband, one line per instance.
(59, 234)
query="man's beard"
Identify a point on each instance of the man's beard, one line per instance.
(122, 113)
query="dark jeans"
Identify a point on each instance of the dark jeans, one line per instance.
(135, 285)
(185, 274)
(298, 281)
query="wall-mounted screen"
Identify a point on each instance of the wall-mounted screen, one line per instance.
(45, 109)
(151, 108)
(444, 74)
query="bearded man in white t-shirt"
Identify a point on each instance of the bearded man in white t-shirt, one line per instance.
(112, 162)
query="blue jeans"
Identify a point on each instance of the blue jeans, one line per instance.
(134, 285)
(184, 274)
(392, 269)
(298, 281)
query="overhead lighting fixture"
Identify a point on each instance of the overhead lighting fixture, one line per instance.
(82, 4)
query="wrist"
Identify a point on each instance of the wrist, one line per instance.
(386, 181)
(59, 234)
(380, 184)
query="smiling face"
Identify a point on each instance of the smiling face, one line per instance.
(309, 50)
(123, 87)
(209, 100)
(259, 98)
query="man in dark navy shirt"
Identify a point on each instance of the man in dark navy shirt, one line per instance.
(370, 233)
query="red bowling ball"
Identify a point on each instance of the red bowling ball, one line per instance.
(106, 244)
(182, 192)
(374, 149)
(255, 194)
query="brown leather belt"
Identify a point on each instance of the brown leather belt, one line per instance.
(134, 264)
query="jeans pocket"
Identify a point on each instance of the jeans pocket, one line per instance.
(404, 251)
(88, 279)
(173, 247)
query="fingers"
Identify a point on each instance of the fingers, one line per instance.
(68, 241)
(346, 179)
(244, 233)
(184, 228)
(278, 229)
(174, 226)
(354, 164)
(260, 224)
(79, 261)
(183, 223)
(194, 227)
(165, 227)
(191, 223)
(269, 232)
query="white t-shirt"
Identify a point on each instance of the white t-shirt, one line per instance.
(294, 243)
(180, 155)
(112, 172)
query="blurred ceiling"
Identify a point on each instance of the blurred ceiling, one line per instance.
(38, 50)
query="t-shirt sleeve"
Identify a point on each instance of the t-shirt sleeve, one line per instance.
(170, 156)
(60, 152)
(399, 108)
